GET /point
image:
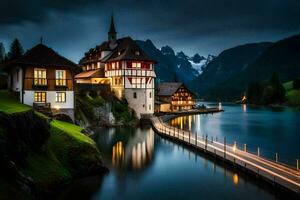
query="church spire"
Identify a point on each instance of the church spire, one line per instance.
(112, 34)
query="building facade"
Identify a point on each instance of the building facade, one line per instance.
(43, 79)
(172, 97)
(123, 65)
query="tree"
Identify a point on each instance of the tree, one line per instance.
(2, 52)
(296, 83)
(278, 89)
(16, 50)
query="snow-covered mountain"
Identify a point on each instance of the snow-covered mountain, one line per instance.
(200, 62)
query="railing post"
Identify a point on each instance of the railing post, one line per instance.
(216, 138)
(196, 139)
(276, 157)
(205, 141)
(224, 147)
(245, 147)
(189, 136)
(297, 164)
(212, 139)
(258, 152)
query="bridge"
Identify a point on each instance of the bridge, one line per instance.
(276, 173)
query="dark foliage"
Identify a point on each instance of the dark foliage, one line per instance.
(2, 53)
(63, 117)
(296, 83)
(16, 50)
(271, 92)
(22, 132)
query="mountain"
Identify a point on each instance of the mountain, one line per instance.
(181, 65)
(226, 66)
(282, 58)
(172, 66)
(164, 67)
(200, 62)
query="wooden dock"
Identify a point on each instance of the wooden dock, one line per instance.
(276, 173)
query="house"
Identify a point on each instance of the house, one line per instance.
(123, 65)
(173, 96)
(43, 79)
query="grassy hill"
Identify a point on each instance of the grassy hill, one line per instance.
(292, 95)
(40, 152)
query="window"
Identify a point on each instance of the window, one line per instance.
(136, 65)
(137, 53)
(150, 95)
(113, 65)
(149, 106)
(134, 95)
(40, 76)
(60, 97)
(40, 97)
(98, 65)
(60, 76)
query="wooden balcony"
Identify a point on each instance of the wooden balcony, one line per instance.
(48, 84)
(130, 72)
(183, 103)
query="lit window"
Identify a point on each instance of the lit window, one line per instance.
(60, 76)
(137, 53)
(136, 65)
(60, 97)
(134, 95)
(40, 97)
(40, 76)
(113, 65)
(98, 65)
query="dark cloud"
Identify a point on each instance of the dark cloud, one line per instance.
(206, 26)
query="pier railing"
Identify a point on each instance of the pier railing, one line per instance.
(275, 172)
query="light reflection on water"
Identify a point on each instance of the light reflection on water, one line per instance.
(145, 166)
(157, 168)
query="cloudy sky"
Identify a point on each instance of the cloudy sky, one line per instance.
(205, 26)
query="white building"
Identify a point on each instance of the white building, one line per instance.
(43, 79)
(123, 65)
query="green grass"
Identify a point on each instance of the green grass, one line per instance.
(66, 154)
(292, 95)
(71, 130)
(10, 105)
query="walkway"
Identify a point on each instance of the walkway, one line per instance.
(284, 176)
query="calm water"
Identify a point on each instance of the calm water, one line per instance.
(273, 130)
(145, 166)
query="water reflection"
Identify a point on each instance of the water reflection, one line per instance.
(118, 154)
(235, 179)
(127, 148)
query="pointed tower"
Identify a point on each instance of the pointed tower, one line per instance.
(112, 34)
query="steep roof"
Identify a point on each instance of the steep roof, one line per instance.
(126, 50)
(41, 55)
(168, 89)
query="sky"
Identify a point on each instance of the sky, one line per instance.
(71, 27)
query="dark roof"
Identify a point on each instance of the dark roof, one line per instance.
(41, 55)
(128, 49)
(168, 89)
(126, 46)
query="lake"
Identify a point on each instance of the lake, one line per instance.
(144, 165)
